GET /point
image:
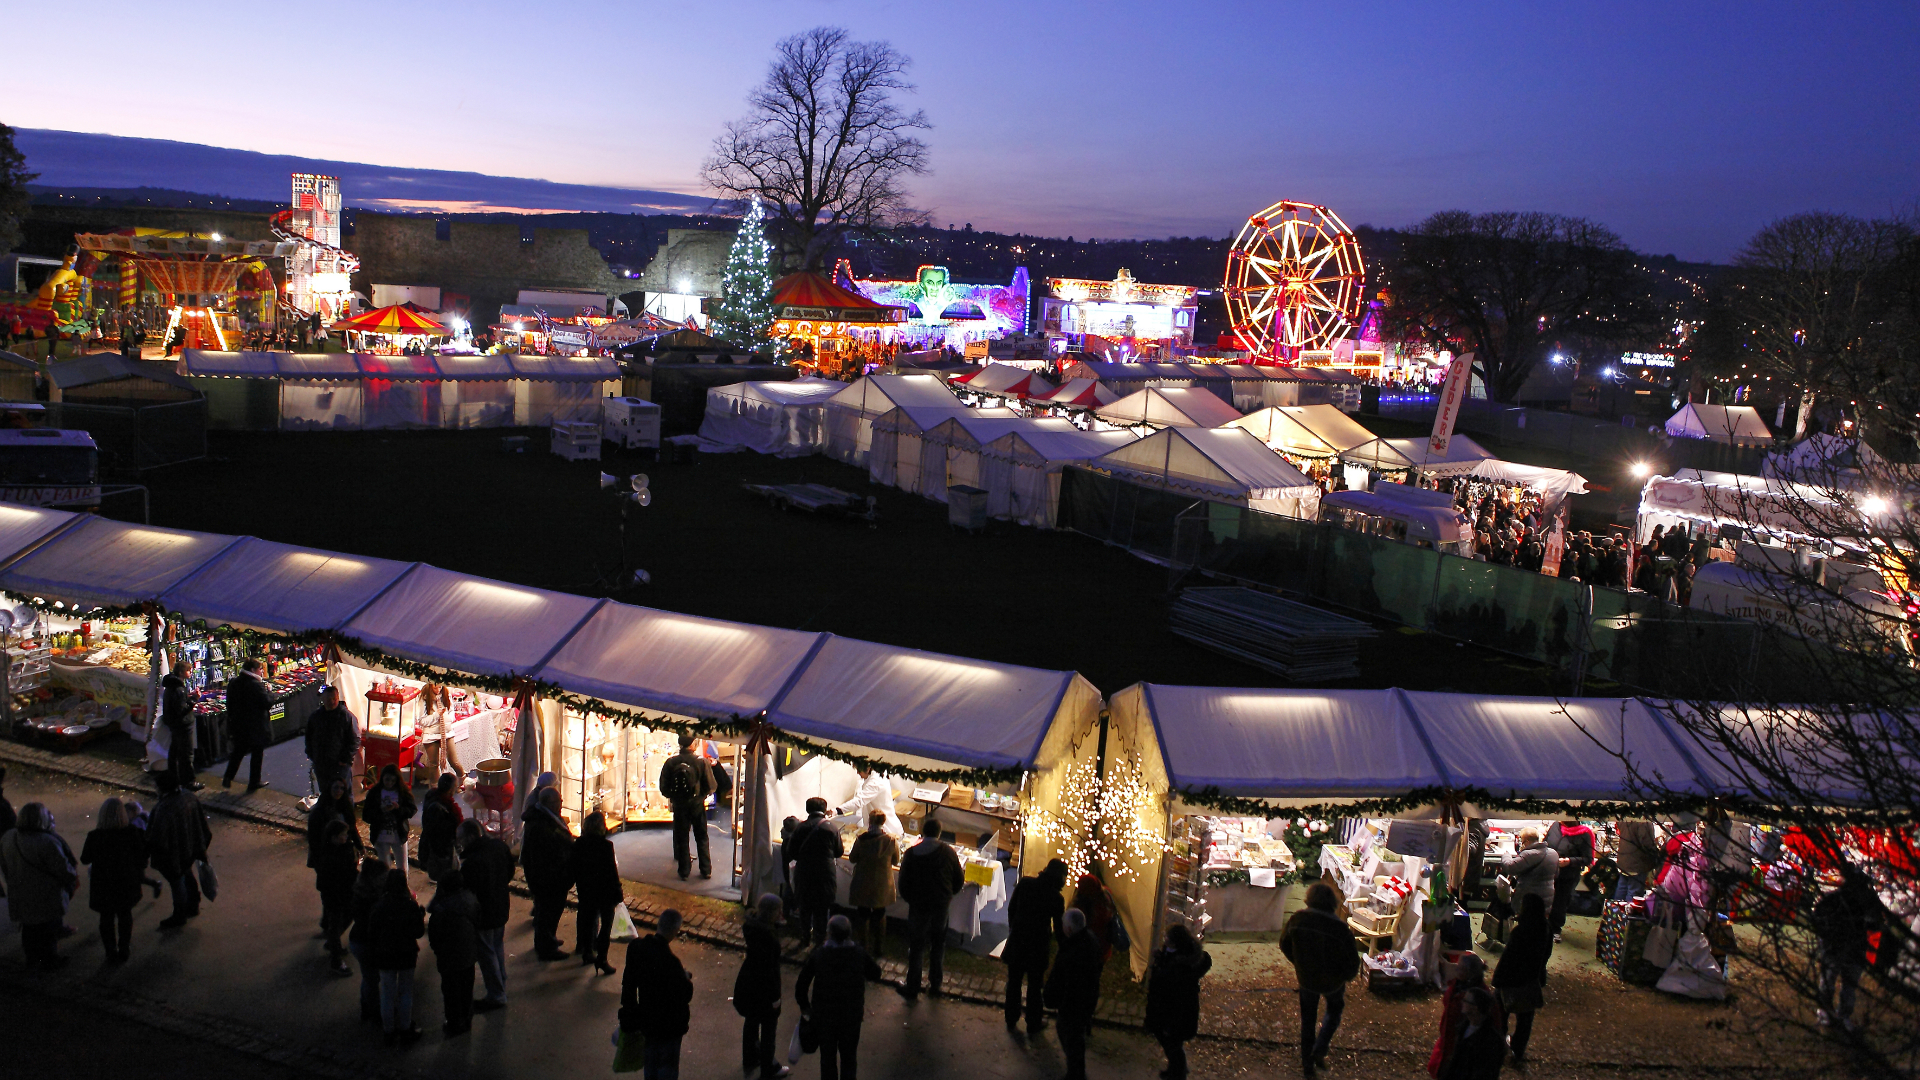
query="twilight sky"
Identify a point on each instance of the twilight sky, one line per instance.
(1683, 126)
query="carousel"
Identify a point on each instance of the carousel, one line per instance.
(399, 328)
(830, 329)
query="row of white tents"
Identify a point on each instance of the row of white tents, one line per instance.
(901, 707)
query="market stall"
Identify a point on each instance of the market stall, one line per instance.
(1312, 437)
(982, 747)
(1020, 470)
(997, 384)
(1075, 397)
(786, 419)
(852, 411)
(1229, 465)
(953, 450)
(1296, 757)
(1152, 409)
(900, 455)
(1735, 425)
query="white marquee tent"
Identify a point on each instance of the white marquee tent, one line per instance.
(1227, 464)
(1158, 408)
(1319, 431)
(279, 588)
(852, 411)
(1021, 469)
(786, 419)
(900, 453)
(954, 446)
(1738, 425)
(102, 563)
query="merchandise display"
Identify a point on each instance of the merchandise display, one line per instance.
(614, 769)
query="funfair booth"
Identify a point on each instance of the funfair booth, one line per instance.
(1244, 786)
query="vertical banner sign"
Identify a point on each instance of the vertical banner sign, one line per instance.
(1556, 544)
(1452, 393)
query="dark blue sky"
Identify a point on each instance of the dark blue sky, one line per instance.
(1684, 126)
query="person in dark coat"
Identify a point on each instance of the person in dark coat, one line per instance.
(812, 850)
(116, 856)
(1522, 971)
(7, 817)
(686, 780)
(756, 990)
(486, 862)
(335, 867)
(387, 809)
(832, 990)
(393, 941)
(333, 739)
(1173, 997)
(656, 996)
(332, 805)
(545, 844)
(1479, 1046)
(41, 876)
(1073, 989)
(1091, 897)
(1572, 843)
(930, 875)
(1325, 959)
(249, 704)
(872, 890)
(176, 715)
(1033, 925)
(453, 929)
(1843, 922)
(367, 890)
(440, 818)
(177, 837)
(596, 883)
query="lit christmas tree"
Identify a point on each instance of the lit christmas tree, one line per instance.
(745, 315)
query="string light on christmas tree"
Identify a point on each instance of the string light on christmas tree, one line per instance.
(745, 313)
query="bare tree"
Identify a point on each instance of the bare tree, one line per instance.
(824, 144)
(15, 199)
(1808, 307)
(1823, 741)
(1506, 285)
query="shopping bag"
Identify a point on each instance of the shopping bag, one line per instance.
(209, 881)
(1694, 972)
(1661, 939)
(794, 1050)
(1503, 888)
(623, 929)
(629, 1051)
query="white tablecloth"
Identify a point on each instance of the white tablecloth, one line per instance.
(972, 905)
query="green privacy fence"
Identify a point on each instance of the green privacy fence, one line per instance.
(1592, 634)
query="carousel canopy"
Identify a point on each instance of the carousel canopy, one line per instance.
(260, 585)
(395, 319)
(102, 563)
(813, 296)
(683, 664)
(950, 709)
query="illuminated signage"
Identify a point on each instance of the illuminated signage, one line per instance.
(1646, 359)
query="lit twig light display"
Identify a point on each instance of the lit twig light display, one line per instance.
(1099, 820)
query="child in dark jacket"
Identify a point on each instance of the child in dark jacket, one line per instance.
(335, 867)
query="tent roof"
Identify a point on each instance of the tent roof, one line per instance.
(23, 526)
(479, 367)
(1282, 431)
(970, 427)
(812, 289)
(970, 712)
(260, 585)
(918, 420)
(1082, 392)
(1376, 743)
(1461, 451)
(564, 368)
(1737, 424)
(400, 368)
(1053, 445)
(680, 663)
(110, 367)
(1330, 425)
(1178, 407)
(331, 366)
(1230, 460)
(1008, 381)
(807, 391)
(875, 394)
(102, 563)
(435, 616)
(246, 365)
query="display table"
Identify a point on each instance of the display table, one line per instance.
(973, 905)
(1243, 908)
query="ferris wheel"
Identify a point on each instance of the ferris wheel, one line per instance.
(1294, 277)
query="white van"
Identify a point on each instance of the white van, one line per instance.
(1411, 515)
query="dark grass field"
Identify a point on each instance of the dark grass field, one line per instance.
(1013, 594)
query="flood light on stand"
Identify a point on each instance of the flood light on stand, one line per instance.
(607, 480)
(639, 481)
(1640, 468)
